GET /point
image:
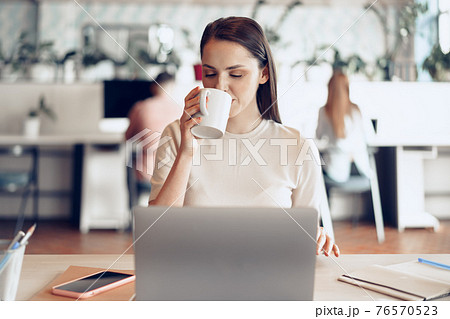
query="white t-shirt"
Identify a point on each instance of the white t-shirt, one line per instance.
(271, 166)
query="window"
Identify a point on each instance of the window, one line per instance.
(444, 25)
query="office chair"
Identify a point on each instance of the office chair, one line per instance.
(25, 181)
(133, 194)
(135, 187)
(358, 184)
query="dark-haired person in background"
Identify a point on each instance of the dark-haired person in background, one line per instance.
(256, 168)
(153, 114)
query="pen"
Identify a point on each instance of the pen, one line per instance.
(433, 263)
(13, 245)
(15, 242)
(28, 235)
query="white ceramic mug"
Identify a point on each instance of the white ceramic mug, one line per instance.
(215, 118)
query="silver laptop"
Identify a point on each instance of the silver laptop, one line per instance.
(224, 253)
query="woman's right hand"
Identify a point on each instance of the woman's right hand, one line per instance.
(191, 106)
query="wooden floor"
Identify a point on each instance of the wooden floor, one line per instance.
(59, 237)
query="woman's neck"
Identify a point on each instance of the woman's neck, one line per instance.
(244, 122)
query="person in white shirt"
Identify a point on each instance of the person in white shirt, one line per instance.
(343, 132)
(258, 162)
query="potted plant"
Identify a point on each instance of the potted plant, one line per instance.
(438, 64)
(352, 64)
(272, 33)
(32, 122)
(3, 60)
(27, 53)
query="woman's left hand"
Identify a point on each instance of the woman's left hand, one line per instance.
(326, 243)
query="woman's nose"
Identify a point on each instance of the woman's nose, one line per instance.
(221, 84)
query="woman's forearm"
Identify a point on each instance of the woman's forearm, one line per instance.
(174, 189)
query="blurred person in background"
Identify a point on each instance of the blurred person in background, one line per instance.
(153, 114)
(342, 133)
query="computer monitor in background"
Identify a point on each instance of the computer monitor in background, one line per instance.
(121, 95)
(119, 98)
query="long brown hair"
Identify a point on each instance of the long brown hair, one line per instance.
(338, 103)
(248, 33)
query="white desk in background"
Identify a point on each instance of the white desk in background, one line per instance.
(39, 270)
(67, 139)
(409, 161)
(95, 157)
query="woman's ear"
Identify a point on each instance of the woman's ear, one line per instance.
(264, 75)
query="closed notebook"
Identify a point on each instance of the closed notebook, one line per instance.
(406, 281)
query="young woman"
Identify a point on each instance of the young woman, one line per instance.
(258, 161)
(343, 131)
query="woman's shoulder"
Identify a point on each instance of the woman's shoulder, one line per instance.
(279, 130)
(173, 130)
(173, 126)
(293, 138)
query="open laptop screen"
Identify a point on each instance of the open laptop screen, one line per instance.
(224, 253)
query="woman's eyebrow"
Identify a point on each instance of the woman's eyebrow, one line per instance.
(237, 66)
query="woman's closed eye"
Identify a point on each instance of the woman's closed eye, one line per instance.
(209, 75)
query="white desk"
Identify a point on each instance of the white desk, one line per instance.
(92, 203)
(72, 139)
(39, 270)
(410, 154)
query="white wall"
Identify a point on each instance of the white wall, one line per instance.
(403, 109)
(78, 106)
